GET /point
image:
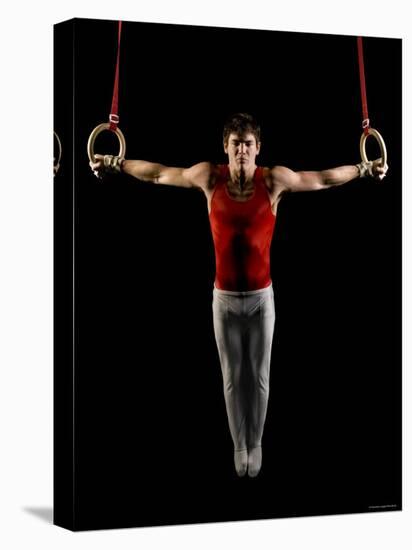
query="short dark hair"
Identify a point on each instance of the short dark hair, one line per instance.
(241, 123)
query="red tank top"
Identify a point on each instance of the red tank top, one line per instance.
(242, 234)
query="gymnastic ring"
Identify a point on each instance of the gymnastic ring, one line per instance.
(57, 165)
(100, 128)
(379, 139)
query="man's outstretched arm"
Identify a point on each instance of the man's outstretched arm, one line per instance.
(288, 180)
(197, 175)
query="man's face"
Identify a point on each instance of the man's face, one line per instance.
(242, 150)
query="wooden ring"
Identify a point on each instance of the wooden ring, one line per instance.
(379, 139)
(100, 128)
(57, 165)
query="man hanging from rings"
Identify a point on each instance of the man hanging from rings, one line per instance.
(242, 200)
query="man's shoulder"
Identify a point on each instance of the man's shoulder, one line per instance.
(276, 177)
(202, 167)
(267, 175)
(278, 173)
(276, 170)
(203, 174)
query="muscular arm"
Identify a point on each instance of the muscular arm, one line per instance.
(288, 180)
(197, 175)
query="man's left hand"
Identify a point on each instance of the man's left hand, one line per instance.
(378, 170)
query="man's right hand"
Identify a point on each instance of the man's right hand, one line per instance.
(106, 164)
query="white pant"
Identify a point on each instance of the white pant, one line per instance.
(243, 325)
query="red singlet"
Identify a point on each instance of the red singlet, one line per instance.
(242, 234)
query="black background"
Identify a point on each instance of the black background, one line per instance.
(152, 443)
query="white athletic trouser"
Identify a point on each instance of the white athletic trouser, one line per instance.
(243, 325)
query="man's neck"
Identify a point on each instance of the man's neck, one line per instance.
(240, 177)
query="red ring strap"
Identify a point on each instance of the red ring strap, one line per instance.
(114, 111)
(365, 122)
